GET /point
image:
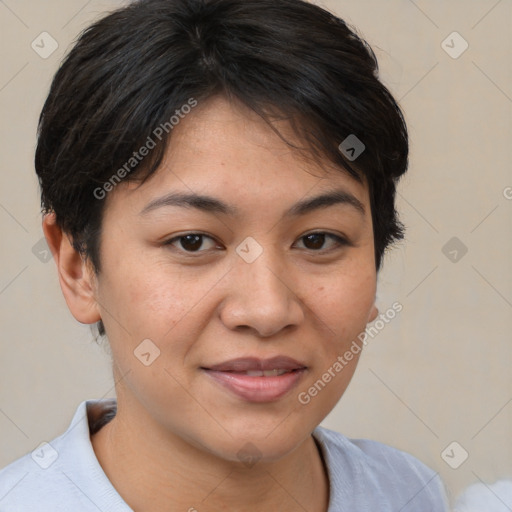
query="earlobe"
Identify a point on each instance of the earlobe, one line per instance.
(373, 314)
(77, 279)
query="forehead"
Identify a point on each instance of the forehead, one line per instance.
(219, 126)
(223, 148)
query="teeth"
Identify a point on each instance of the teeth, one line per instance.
(265, 373)
(274, 373)
(254, 373)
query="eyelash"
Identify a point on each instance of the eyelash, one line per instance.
(339, 240)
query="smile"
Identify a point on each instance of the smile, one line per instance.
(256, 380)
(263, 373)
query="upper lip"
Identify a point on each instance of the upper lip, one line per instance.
(244, 364)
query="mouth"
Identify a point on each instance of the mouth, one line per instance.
(263, 373)
(257, 380)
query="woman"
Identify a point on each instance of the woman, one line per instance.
(218, 183)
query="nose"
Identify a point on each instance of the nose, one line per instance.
(261, 298)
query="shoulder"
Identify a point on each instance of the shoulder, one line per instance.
(381, 475)
(62, 474)
(32, 481)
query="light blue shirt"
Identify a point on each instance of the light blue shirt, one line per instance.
(64, 475)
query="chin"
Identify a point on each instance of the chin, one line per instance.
(250, 446)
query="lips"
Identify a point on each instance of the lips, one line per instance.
(257, 380)
(253, 364)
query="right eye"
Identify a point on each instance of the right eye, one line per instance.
(192, 242)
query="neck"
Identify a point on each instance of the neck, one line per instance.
(155, 470)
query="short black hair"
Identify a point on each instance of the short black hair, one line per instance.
(133, 70)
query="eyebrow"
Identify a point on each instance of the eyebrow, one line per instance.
(191, 200)
(213, 205)
(334, 197)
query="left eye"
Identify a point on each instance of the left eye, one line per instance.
(316, 241)
(192, 242)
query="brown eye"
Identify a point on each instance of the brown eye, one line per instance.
(314, 241)
(322, 241)
(192, 242)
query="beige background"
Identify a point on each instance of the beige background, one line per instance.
(439, 372)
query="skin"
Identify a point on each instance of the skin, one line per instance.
(174, 441)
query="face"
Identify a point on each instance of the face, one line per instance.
(228, 265)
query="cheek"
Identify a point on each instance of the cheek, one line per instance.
(143, 299)
(344, 302)
(340, 306)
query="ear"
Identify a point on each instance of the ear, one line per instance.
(76, 276)
(373, 313)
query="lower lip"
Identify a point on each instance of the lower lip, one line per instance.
(257, 389)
